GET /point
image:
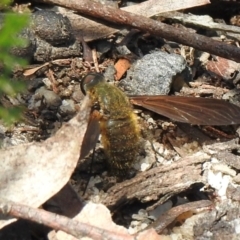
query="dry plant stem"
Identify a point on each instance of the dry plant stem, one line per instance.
(58, 222)
(159, 29)
(95, 60)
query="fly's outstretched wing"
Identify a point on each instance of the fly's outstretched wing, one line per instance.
(198, 111)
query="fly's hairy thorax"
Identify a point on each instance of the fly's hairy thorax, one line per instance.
(119, 127)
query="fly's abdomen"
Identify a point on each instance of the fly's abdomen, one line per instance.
(120, 139)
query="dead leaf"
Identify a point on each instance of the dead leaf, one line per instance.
(121, 66)
(96, 215)
(32, 173)
(31, 71)
(223, 67)
(150, 234)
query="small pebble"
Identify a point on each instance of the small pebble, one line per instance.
(67, 107)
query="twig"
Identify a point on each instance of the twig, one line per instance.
(95, 60)
(170, 216)
(156, 28)
(58, 222)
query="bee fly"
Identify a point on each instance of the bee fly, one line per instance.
(117, 121)
(112, 116)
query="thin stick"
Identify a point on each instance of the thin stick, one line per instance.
(59, 222)
(156, 28)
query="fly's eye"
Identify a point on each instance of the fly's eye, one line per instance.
(90, 81)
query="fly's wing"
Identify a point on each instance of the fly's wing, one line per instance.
(198, 111)
(91, 135)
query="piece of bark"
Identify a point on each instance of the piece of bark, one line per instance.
(159, 183)
(205, 22)
(226, 152)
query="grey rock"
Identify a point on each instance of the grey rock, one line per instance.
(67, 92)
(52, 27)
(77, 95)
(153, 74)
(51, 99)
(49, 37)
(34, 84)
(109, 73)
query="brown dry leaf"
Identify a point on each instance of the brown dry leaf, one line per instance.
(66, 202)
(96, 215)
(32, 173)
(99, 216)
(31, 71)
(92, 30)
(223, 67)
(121, 66)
